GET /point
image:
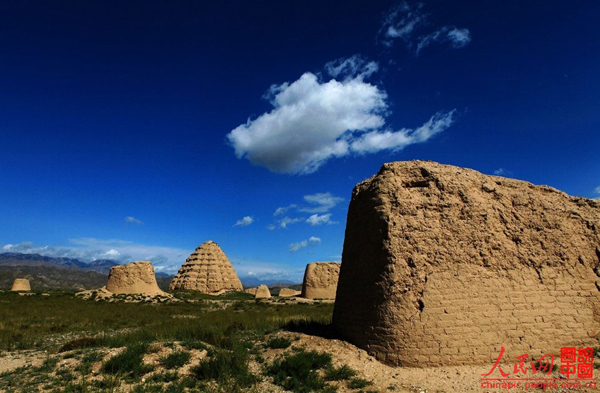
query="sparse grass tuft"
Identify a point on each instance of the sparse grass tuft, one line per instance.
(229, 368)
(298, 372)
(340, 373)
(175, 359)
(129, 362)
(359, 383)
(279, 343)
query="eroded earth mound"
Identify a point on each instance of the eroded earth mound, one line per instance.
(288, 292)
(21, 284)
(133, 278)
(262, 292)
(320, 280)
(208, 271)
(444, 266)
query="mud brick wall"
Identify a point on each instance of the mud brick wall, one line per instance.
(444, 266)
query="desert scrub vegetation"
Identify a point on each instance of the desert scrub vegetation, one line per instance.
(49, 322)
(229, 368)
(279, 343)
(129, 363)
(175, 359)
(303, 371)
(201, 344)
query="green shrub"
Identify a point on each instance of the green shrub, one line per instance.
(175, 359)
(129, 362)
(359, 383)
(298, 372)
(279, 343)
(167, 376)
(228, 367)
(194, 344)
(339, 374)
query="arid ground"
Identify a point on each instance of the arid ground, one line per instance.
(56, 342)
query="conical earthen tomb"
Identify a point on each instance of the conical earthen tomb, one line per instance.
(208, 271)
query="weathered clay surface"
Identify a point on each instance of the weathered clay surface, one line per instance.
(262, 292)
(135, 277)
(207, 270)
(251, 291)
(320, 280)
(287, 292)
(21, 284)
(444, 266)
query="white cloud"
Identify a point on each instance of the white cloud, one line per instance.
(457, 38)
(313, 121)
(297, 246)
(167, 259)
(320, 202)
(282, 210)
(351, 67)
(409, 23)
(401, 22)
(374, 141)
(244, 222)
(313, 240)
(316, 219)
(597, 190)
(502, 172)
(285, 221)
(112, 253)
(133, 220)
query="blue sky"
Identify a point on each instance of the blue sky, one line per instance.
(139, 130)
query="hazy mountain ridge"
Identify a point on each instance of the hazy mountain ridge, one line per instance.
(52, 277)
(18, 259)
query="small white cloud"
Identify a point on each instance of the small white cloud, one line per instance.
(133, 220)
(297, 246)
(282, 210)
(502, 172)
(244, 222)
(396, 140)
(457, 38)
(321, 202)
(7, 247)
(401, 22)
(408, 23)
(351, 67)
(313, 240)
(270, 227)
(285, 221)
(112, 253)
(316, 219)
(597, 190)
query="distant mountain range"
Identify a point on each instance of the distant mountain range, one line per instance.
(60, 273)
(18, 259)
(67, 273)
